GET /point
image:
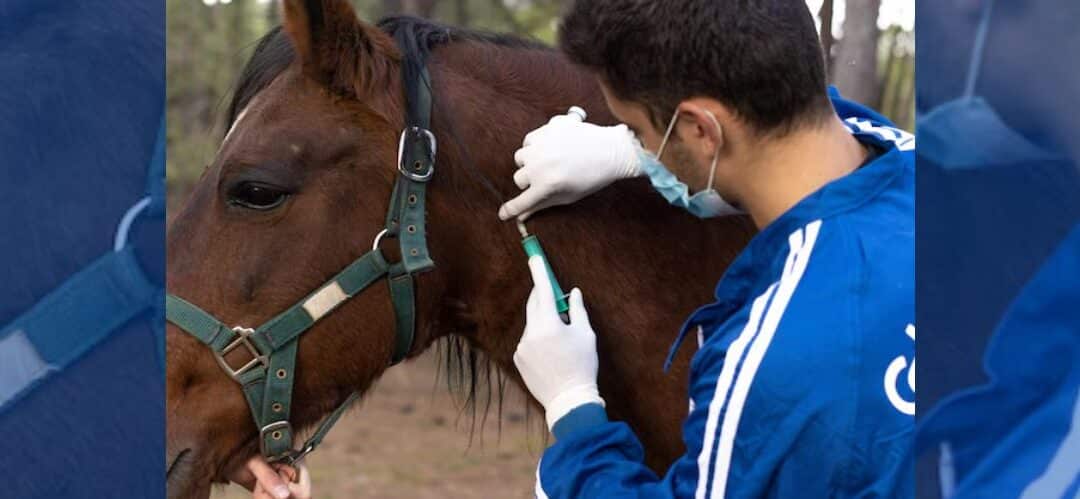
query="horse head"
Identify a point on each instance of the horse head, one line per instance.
(297, 188)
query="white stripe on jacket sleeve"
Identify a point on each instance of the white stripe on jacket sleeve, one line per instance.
(723, 385)
(802, 245)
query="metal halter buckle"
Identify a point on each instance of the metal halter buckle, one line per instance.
(244, 333)
(288, 457)
(415, 172)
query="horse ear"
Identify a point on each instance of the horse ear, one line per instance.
(336, 48)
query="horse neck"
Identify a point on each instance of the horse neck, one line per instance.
(486, 99)
(621, 245)
(643, 267)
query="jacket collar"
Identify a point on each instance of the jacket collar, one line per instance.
(754, 263)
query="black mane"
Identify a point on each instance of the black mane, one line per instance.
(416, 38)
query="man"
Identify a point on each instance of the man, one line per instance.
(803, 382)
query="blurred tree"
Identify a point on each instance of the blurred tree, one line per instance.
(896, 70)
(825, 14)
(272, 15)
(461, 13)
(855, 69)
(422, 8)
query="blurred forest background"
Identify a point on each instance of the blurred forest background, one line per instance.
(871, 47)
(411, 438)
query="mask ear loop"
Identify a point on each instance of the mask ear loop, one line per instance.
(716, 155)
(667, 134)
(977, 51)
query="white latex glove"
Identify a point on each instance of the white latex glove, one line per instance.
(557, 361)
(566, 160)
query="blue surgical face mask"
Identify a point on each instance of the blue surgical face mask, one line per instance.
(966, 133)
(704, 204)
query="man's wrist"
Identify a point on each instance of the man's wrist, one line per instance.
(569, 400)
(631, 165)
(633, 168)
(581, 417)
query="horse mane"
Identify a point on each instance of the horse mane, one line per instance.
(274, 52)
(469, 373)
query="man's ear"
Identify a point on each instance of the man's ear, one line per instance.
(700, 124)
(337, 49)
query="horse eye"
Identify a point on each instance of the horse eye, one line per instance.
(257, 196)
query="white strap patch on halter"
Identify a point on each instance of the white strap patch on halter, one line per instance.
(20, 365)
(324, 301)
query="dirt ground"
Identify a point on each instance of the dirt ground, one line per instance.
(409, 439)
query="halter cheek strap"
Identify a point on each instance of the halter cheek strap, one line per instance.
(267, 378)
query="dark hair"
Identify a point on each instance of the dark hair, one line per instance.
(761, 58)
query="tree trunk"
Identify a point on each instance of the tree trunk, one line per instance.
(272, 14)
(854, 69)
(420, 8)
(508, 16)
(826, 17)
(461, 11)
(390, 7)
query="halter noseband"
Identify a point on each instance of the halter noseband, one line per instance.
(267, 379)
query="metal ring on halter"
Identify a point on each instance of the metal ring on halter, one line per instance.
(294, 457)
(378, 239)
(122, 230)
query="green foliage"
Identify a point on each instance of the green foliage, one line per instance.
(205, 47)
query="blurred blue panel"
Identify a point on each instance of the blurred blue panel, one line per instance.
(81, 108)
(998, 191)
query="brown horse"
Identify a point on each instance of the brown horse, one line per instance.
(314, 127)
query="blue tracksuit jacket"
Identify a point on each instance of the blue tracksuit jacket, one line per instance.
(803, 382)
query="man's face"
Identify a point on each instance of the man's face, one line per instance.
(676, 157)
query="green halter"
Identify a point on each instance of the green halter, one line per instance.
(267, 379)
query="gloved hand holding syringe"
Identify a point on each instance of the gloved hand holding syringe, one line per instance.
(533, 248)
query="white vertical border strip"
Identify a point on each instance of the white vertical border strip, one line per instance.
(1064, 466)
(540, 494)
(802, 245)
(723, 386)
